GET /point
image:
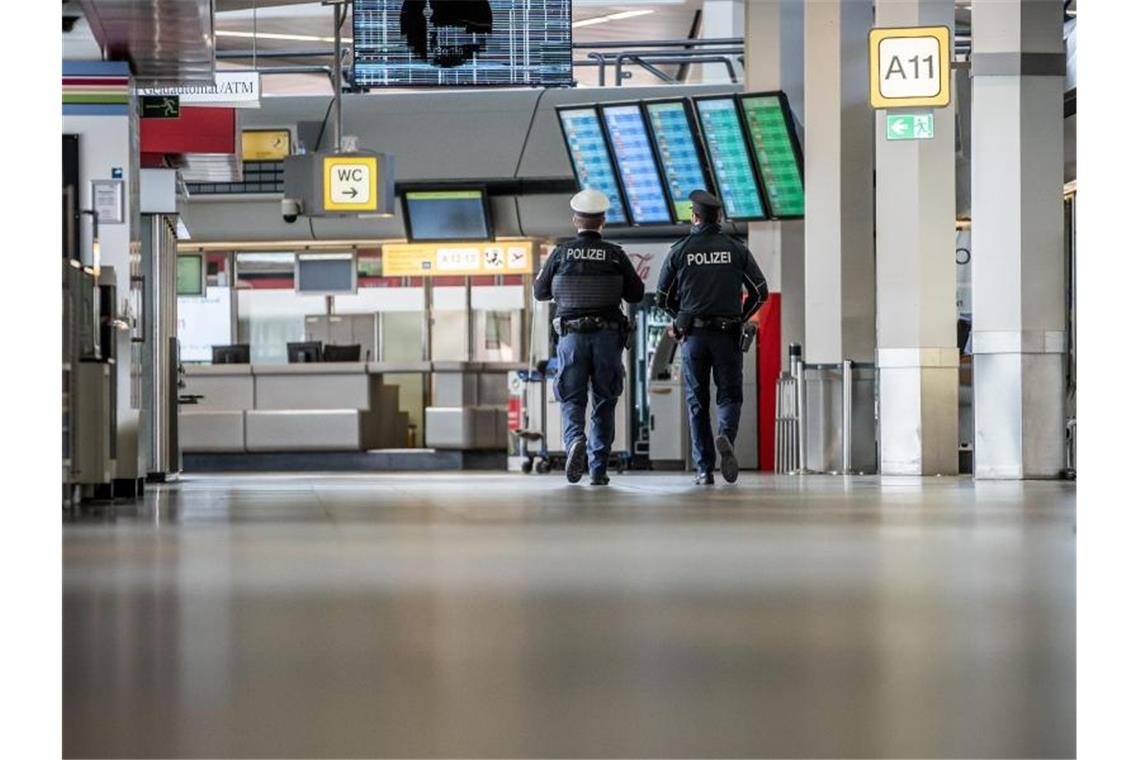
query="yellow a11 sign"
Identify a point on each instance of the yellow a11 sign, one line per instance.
(910, 67)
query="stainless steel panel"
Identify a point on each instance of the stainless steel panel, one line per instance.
(823, 428)
(168, 42)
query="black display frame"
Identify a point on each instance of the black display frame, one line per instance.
(609, 156)
(617, 164)
(366, 87)
(201, 291)
(446, 188)
(350, 254)
(751, 159)
(698, 141)
(797, 149)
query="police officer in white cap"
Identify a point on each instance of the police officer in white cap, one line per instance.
(588, 278)
(701, 286)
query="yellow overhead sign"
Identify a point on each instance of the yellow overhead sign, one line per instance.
(265, 144)
(441, 259)
(910, 67)
(350, 183)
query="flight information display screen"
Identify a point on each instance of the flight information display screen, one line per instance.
(637, 169)
(777, 152)
(680, 154)
(728, 153)
(590, 157)
(448, 43)
(446, 215)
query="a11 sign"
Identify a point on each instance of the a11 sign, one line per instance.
(910, 67)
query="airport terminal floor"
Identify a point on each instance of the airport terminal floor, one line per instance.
(505, 615)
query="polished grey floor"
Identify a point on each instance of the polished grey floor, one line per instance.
(509, 615)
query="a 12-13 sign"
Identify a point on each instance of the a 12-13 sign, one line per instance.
(910, 66)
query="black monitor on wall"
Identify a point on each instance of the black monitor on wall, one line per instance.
(325, 273)
(473, 43)
(307, 352)
(349, 353)
(237, 353)
(441, 214)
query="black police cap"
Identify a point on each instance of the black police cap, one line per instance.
(705, 200)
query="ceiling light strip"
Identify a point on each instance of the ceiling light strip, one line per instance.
(611, 17)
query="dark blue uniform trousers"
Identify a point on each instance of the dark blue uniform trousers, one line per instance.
(719, 352)
(590, 362)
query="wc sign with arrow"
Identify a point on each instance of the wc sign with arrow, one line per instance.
(350, 183)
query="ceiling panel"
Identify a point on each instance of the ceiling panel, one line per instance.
(166, 41)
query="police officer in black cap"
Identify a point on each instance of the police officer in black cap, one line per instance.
(588, 278)
(700, 287)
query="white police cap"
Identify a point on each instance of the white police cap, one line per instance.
(590, 202)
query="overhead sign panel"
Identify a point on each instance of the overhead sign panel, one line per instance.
(637, 168)
(674, 137)
(350, 183)
(910, 67)
(728, 154)
(463, 259)
(235, 89)
(590, 157)
(265, 144)
(777, 150)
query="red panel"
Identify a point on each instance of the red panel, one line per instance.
(767, 376)
(196, 130)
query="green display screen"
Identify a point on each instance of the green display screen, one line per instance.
(776, 154)
(190, 279)
(728, 153)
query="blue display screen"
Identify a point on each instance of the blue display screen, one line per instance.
(680, 154)
(731, 164)
(591, 157)
(637, 168)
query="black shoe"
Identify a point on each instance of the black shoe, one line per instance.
(599, 479)
(704, 478)
(729, 467)
(576, 460)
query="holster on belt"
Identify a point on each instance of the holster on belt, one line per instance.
(747, 335)
(682, 324)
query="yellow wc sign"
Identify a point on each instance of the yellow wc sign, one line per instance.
(350, 183)
(910, 66)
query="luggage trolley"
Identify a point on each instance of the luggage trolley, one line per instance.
(540, 461)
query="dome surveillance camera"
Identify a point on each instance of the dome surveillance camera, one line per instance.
(290, 209)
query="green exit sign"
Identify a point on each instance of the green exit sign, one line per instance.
(160, 106)
(910, 126)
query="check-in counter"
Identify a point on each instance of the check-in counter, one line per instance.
(469, 405)
(290, 407)
(222, 387)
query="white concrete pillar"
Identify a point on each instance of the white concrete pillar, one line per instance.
(1018, 63)
(719, 19)
(839, 261)
(916, 280)
(774, 54)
